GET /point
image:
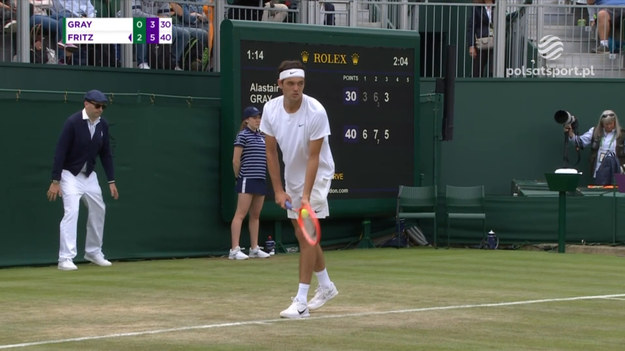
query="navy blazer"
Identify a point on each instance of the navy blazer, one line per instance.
(75, 147)
(478, 24)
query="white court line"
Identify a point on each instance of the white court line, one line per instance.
(617, 299)
(348, 315)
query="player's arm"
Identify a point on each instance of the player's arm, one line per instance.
(312, 165)
(106, 154)
(106, 157)
(114, 192)
(178, 11)
(236, 160)
(273, 166)
(63, 144)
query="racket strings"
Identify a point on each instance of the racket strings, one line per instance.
(309, 226)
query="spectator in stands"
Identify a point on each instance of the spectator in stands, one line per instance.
(191, 19)
(250, 169)
(248, 12)
(328, 8)
(275, 11)
(607, 19)
(592, 12)
(74, 8)
(480, 25)
(209, 11)
(107, 8)
(146, 9)
(47, 22)
(606, 140)
(39, 53)
(8, 11)
(105, 55)
(293, 5)
(143, 8)
(53, 24)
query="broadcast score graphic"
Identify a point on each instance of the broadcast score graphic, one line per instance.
(137, 30)
(369, 95)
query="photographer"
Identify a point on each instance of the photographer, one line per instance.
(607, 147)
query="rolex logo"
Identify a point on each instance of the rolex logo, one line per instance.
(355, 58)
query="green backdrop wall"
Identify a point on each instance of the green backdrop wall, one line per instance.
(165, 127)
(504, 128)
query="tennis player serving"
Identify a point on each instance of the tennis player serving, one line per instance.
(298, 124)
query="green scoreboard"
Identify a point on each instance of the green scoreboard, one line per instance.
(366, 79)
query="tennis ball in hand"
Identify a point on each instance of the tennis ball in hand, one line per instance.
(304, 213)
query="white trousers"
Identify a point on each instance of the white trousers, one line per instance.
(75, 188)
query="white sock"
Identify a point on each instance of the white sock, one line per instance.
(323, 278)
(604, 42)
(302, 292)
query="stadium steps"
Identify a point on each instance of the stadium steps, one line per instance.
(578, 41)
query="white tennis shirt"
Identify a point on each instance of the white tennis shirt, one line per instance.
(293, 131)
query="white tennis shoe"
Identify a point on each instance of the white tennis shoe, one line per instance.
(67, 265)
(298, 309)
(257, 253)
(237, 254)
(322, 295)
(98, 259)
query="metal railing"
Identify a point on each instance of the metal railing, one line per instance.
(540, 38)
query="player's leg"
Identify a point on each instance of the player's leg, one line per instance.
(326, 289)
(254, 225)
(307, 256)
(72, 192)
(244, 201)
(603, 31)
(95, 220)
(181, 39)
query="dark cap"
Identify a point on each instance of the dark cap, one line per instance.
(96, 96)
(250, 111)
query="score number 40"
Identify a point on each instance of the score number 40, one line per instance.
(351, 134)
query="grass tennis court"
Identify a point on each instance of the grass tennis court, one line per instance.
(390, 299)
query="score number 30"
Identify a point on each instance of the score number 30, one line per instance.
(350, 97)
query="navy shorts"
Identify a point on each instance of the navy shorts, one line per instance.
(251, 186)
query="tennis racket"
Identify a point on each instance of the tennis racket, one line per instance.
(308, 223)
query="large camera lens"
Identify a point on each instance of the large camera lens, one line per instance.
(563, 117)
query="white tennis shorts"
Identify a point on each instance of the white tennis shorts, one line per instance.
(318, 199)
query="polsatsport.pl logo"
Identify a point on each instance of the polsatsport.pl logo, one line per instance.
(550, 47)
